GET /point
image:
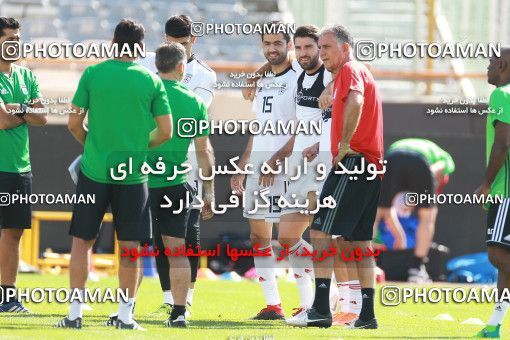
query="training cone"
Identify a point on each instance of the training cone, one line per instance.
(444, 317)
(87, 307)
(206, 273)
(473, 321)
(231, 276)
(380, 276)
(251, 274)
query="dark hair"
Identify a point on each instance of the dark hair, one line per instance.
(271, 25)
(8, 23)
(307, 31)
(168, 56)
(178, 26)
(341, 33)
(128, 32)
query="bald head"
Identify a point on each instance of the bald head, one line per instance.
(498, 72)
(505, 54)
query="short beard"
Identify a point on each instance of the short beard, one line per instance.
(279, 61)
(313, 64)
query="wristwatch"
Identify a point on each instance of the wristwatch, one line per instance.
(24, 110)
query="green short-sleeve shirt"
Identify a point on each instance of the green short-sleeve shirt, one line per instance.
(186, 106)
(499, 104)
(122, 99)
(20, 87)
(428, 149)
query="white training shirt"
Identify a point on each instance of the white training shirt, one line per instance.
(274, 101)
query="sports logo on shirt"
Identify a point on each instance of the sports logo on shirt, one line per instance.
(4, 91)
(187, 78)
(283, 88)
(304, 100)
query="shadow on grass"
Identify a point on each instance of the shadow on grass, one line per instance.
(22, 327)
(30, 316)
(221, 324)
(371, 334)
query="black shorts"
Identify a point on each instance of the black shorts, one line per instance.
(406, 172)
(165, 221)
(17, 215)
(130, 210)
(498, 224)
(356, 204)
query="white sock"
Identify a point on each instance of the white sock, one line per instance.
(354, 296)
(265, 268)
(126, 310)
(168, 297)
(302, 266)
(189, 297)
(76, 310)
(499, 312)
(343, 296)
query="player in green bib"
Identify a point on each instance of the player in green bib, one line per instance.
(496, 182)
(19, 95)
(170, 223)
(440, 161)
(128, 111)
(414, 166)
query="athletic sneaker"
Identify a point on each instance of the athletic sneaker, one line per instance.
(310, 318)
(489, 332)
(360, 324)
(420, 275)
(112, 319)
(66, 323)
(342, 318)
(165, 308)
(271, 312)
(179, 322)
(119, 324)
(13, 307)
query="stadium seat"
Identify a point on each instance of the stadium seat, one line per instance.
(225, 14)
(80, 29)
(163, 10)
(117, 10)
(41, 27)
(72, 9)
(25, 2)
(48, 40)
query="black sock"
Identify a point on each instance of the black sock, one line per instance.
(5, 297)
(193, 240)
(416, 262)
(367, 304)
(176, 311)
(321, 301)
(162, 265)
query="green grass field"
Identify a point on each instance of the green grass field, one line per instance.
(221, 311)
